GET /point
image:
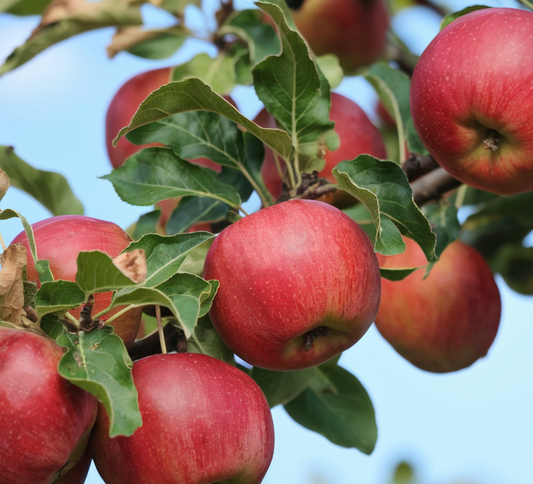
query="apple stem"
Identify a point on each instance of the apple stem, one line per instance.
(160, 329)
(492, 140)
(310, 336)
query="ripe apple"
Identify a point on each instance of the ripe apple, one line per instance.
(78, 473)
(357, 136)
(60, 240)
(446, 321)
(204, 421)
(299, 284)
(354, 30)
(471, 99)
(44, 419)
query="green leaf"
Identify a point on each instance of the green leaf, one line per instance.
(260, 37)
(383, 188)
(207, 341)
(300, 98)
(97, 273)
(164, 254)
(280, 387)
(452, 16)
(329, 65)
(99, 363)
(193, 95)
(344, 415)
(397, 274)
(148, 44)
(414, 143)
(219, 73)
(147, 224)
(392, 87)
(50, 189)
(59, 24)
(177, 7)
(515, 264)
(186, 295)
(58, 297)
(443, 219)
(155, 174)
(23, 7)
(7, 214)
(192, 210)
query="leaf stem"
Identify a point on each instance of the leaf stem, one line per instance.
(72, 319)
(115, 316)
(160, 329)
(2, 242)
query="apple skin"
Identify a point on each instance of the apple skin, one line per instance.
(447, 321)
(43, 417)
(354, 30)
(78, 473)
(469, 81)
(204, 421)
(60, 239)
(357, 136)
(297, 269)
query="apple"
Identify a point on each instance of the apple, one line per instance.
(204, 421)
(45, 420)
(446, 321)
(354, 30)
(357, 136)
(471, 101)
(299, 284)
(78, 473)
(60, 239)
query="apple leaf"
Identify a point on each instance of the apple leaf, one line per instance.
(299, 99)
(186, 295)
(99, 363)
(59, 23)
(175, 7)
(23, 7)
(383, 188)
(12, 293)
(4, 184)
(193, 95)
(207, 341)
(280, 387)
(147, 224)
(58, 296)
(443, 219)
(155, 174)
(448, 19)
(515, 264)
(165, 255)
(218, 73)
(341, 412)
(50, 189)
(414, 143)
(149, 44)
(393, 87)
(7, 214)
(192, 210)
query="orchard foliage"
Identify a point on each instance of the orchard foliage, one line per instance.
(406, 195)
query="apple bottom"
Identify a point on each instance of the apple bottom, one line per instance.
(204, 422)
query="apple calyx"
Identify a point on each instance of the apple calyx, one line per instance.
(310, 336)
(492, 140)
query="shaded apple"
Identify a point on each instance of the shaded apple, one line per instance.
(204, 421)
(469, 103)
(354, 30)
(60, 239)
(44, 419)
(299, 284)
(446, 321)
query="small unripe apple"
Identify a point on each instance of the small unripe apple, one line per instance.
(357, 136)
(44, 419)
(471, 99)
(299, 284)
(60, 240)
(446, 321)
(204, 421)
(354, 30)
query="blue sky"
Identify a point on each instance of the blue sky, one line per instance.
(474, 425)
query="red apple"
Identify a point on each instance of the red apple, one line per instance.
(60, 240)
(299, 284)
(44, 419)
(204, 421)
(357, 136)
(446, 321)
(471, 99)
(78, 473)
(354, 30)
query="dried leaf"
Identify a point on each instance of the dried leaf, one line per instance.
(133, 265)
(13, 262)
(4, 183)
